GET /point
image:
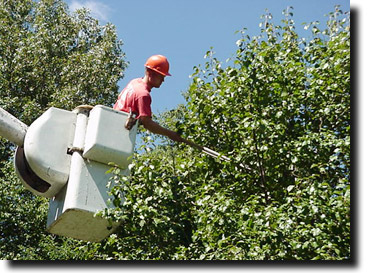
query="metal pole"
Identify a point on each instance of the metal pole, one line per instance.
(213, 153)
(206, 150)
(12, 128)
(77, 161)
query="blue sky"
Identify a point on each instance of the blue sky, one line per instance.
(184, 30)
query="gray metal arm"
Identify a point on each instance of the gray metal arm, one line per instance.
(12, 128)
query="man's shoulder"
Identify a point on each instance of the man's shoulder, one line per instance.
(140, 88)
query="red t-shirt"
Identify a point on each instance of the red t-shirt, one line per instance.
(135, 97)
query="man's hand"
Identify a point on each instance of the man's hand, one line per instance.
(155, 128)
(175, 136)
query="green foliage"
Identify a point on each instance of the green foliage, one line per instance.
(22, 226)
(51, 58)
(282, 110)
(48, 58)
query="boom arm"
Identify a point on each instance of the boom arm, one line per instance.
(12, 128)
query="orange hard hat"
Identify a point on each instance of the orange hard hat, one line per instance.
(159, 64)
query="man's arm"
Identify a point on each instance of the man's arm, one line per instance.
(156, 128)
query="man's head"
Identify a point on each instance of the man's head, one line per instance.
(157, 67)
(159, 64)
(154, 79)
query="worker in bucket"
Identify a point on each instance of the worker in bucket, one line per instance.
(136, 99)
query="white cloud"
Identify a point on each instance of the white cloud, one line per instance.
(98, 10)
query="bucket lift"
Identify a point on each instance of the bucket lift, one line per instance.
(65, 157)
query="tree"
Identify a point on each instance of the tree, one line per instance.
(282, 110)
(48, 57)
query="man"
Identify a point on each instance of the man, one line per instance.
(136, 97)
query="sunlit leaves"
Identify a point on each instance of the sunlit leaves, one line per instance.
(52, 58)
(283, 110)
(48, 57)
